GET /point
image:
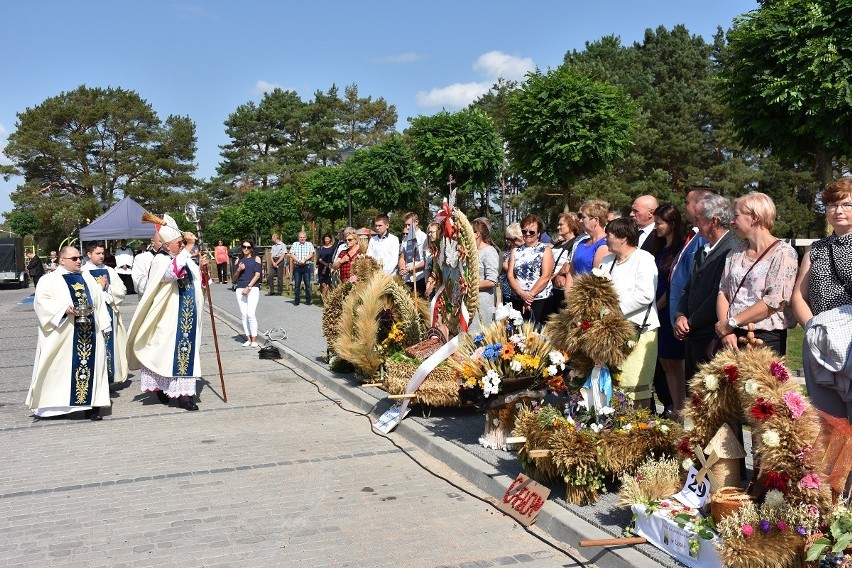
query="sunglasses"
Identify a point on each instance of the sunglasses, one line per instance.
(246, 246)
(72, 258)
(350, 239)
(528, 232)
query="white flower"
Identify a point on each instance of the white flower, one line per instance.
(495, 421)
(751, 387)
(664, 428)
(490, 383)
(552, 371)
(515, 365)
(627, 427)
(601, 273)
(606, 410)
(711, 382)
(506, 311)
(686, 464)
(556, 357)
(771, 438)
(605, 312)
(596, 427)
(631, 344)
(570, 420)
(773, 499)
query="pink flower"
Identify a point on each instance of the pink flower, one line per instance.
(782, 526)
(804, 453)
(779, 371)
(747, 530)
(813, 511)
(810, 481)
(795, 403)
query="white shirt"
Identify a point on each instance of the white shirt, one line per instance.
(635, 280)
(124, 257)
(386, 251)
(420, 238)
(645, 232)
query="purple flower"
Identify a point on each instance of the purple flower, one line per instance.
(764, 525)
(801, 530)
(779, 372)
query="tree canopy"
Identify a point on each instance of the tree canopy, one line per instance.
(785, 76)
(80, 151)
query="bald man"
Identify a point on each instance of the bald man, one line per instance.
(642, 212)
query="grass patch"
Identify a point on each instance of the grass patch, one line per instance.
(794, 348)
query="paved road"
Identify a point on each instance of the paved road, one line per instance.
(281, 475)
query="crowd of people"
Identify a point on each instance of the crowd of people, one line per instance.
(692, 282)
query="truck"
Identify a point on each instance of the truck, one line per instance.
(13, 265)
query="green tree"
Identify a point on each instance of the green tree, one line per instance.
(382, 177)
(363, 121)
(23, 222)
(565, 126)
(785, 76)
(81, 151)
(464, 144)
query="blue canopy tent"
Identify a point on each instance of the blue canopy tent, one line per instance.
(122, 221)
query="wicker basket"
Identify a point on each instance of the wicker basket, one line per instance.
(726, 501)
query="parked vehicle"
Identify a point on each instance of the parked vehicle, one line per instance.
(13, 265)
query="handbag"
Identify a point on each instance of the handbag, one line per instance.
(715, 344)
(269, 352)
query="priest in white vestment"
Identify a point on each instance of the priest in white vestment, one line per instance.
(142, 264)
(164, 338)
(70, 363)
(114, 291)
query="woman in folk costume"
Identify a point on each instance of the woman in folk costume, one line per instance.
(114, 291)
(164, 338)
(70, 361)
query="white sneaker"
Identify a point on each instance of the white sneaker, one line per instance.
(253, 344)
(248, 344)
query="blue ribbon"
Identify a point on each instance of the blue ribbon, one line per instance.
(110, 339)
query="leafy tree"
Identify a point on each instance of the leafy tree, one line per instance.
(23, 222)
(324, 192)
(267, 141)
(565, 126)
(321, 135)
(785, 75)
(80, 151)
(382, 176)
(463, 144)
(258, 215)
(363, 121)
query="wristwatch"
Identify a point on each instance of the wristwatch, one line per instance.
(732, 323)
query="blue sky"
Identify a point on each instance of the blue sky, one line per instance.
(203, 59)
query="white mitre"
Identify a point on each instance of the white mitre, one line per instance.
(169, 230)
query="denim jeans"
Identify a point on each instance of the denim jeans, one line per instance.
(302, 273)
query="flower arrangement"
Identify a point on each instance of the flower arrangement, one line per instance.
(586, 449)
(831, 545)
(785, 434)
(508, 355)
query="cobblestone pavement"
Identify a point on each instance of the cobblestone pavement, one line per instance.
(280, 475)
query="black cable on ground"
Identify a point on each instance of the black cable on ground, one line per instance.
(422, 466)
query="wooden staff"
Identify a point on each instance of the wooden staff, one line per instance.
(205, 274)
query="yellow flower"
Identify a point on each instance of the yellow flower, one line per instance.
(508, 352)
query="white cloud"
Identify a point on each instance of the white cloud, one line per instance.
(456, 95)
(491, 66)
(410, 57)
(496, 64)
(4, 139)
(262, 87)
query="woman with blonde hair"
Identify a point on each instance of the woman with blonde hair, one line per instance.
(512, 239)
(590, 252)
(352, 250)
(758, 278)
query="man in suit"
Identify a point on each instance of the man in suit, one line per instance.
(642, 212)
(696, 311)
(682, 266)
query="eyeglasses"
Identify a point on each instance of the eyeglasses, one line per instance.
(246, 246)
(350, 239)
(72, 258)
(528, 232)
(845, 207)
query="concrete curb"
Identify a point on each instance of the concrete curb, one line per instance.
(558, 522)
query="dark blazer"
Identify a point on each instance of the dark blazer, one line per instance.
(35, 267)
(698, 302)
(648, 245)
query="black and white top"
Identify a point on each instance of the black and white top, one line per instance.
(825, 291)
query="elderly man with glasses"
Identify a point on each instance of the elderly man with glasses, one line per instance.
(70, 373)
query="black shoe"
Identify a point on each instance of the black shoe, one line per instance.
(93, 414)
(270, 294)
(162, 397)
(187, 403)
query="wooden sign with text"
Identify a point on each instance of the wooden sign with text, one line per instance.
(524, 499)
